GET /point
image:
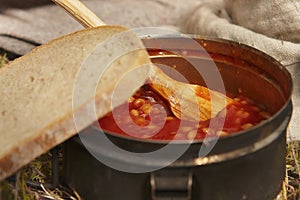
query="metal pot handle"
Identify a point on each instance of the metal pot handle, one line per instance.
(171, 185)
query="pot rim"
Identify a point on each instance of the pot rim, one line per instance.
(204, 39)
(258, 139)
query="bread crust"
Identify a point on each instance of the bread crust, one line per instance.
(37, 110)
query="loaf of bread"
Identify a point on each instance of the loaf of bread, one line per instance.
(42, 91)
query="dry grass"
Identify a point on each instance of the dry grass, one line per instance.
(30, 182)
(3, 60)
(293, 171)
(33, 182)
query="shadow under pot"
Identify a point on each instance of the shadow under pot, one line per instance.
(246, 164)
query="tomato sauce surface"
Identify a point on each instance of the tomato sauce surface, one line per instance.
(148, 115)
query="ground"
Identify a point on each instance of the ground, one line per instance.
(32, 181)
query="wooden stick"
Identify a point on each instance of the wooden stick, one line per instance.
(86, 17)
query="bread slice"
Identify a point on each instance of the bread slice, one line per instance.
(43, 91)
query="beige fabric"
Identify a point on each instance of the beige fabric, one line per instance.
(211, 18)
(272, 26)
(278, 19)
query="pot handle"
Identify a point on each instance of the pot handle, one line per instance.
(171, 185)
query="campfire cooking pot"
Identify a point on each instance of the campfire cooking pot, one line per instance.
(247, 165)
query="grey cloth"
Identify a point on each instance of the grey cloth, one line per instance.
(21, 29)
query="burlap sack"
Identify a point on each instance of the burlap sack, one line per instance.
(279, 19)
(272, 26)
(253, 23)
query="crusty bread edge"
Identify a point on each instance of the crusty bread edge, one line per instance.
(50, 136)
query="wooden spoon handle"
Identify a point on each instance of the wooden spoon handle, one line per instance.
(175, 92)
(80, 12)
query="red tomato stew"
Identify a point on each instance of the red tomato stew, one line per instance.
(147, 115)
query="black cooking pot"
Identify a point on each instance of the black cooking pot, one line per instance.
(247, 165)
